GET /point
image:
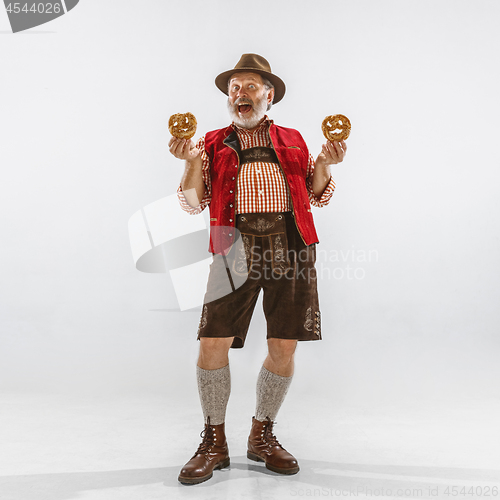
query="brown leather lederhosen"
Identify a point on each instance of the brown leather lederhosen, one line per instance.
(269, 254)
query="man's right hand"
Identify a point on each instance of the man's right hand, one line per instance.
(192, 183)
(183, 149)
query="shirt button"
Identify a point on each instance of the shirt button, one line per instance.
(230, 234)
(230, 220)
(236, 166)
(231, 192)
(232, 179)
(231, 206)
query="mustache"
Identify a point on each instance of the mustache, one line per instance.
(243, 100)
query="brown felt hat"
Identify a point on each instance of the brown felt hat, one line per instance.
(253, 63)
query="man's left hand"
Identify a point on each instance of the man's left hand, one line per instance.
(332, 152)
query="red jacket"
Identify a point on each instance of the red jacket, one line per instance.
(223, 148)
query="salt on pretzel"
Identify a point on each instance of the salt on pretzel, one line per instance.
(333, 122)
(182, 125)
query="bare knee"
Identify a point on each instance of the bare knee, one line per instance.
(214, 352)
(281, 351)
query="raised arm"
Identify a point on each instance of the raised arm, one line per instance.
(332, 153)
(192, 184)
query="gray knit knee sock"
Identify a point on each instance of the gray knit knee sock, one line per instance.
(271, 392)
(214, 387)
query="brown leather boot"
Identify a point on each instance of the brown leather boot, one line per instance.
(211, 454)
(264, 447)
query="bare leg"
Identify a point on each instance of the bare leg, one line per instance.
(214, 352)
(280, 357)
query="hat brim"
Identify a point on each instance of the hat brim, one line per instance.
(278, 83)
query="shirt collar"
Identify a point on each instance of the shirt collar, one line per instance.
(266, 123)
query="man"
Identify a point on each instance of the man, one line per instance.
(259, 181)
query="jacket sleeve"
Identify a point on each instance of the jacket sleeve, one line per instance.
(327, 194)
(205, 201)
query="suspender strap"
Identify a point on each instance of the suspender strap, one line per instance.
(266, 155)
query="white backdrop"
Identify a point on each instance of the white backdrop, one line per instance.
(83, 124)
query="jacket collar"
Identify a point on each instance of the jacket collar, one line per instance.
(231, 137)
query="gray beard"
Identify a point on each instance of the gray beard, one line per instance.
(258, 112)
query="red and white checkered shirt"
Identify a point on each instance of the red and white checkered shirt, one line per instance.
(261, 186)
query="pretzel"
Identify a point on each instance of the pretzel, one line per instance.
(182, 126)
(330, 123)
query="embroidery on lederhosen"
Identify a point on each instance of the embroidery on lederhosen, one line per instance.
(308, 325)
(261, 225)
(317, 327)
(258, 153)
(203, 319)
(243, 259)
(279, 252)
(310, 322)
(279, 245)
(280, 262)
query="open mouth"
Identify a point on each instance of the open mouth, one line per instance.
(244, 108)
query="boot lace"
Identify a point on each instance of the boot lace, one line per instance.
(269, 437)
(207, 436)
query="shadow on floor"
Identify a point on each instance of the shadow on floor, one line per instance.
(333, 479)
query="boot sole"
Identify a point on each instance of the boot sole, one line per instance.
(201, 479)
(256, 458)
